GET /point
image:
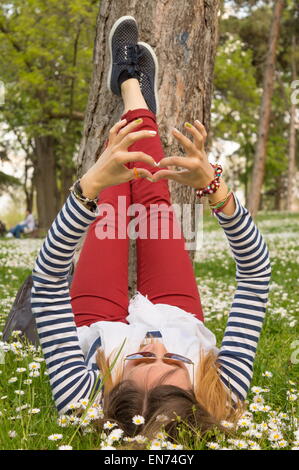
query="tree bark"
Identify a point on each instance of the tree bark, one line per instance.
(292, 139)
(184, 35)
(45, 181)
(265, 112)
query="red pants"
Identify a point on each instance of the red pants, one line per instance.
(165, 274)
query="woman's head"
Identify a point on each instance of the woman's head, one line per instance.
(147, 374)
(160, 388)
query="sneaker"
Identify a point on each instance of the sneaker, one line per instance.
(123, 51)
(148, 68)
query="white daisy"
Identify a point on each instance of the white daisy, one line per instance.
(138, 419)
(55, 437)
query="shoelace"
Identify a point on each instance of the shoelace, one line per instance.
(133, 54)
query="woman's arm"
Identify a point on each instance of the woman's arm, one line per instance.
(70, 379)
(245, 321)
(248, 309)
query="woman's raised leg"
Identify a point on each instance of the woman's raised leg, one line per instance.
(99, 289)
(164, 268)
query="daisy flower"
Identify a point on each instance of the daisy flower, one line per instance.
(93, 413)
(156, 445)
(227, 424)
(275, 436)
(258, 399)
(34, 366)
(213, 445)
(267, 374)
(109, 425)
(55, 437)
(292, 397)
(12, 434)
(282, 443)
(140, 439)
(21, 369)
(34, 373)
(63, 421)
(12, 380)
(83, 402)
(254, 407)
(172, 446)
(138, 419)
(115, 435)
(34, 411)
(65, 448)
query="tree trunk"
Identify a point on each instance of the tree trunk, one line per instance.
(260, 154)
(28, 185)
(292, 140)
(184, 36)
(45, 181)
(67, 179)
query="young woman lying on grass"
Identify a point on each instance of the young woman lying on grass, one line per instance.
(169, 365)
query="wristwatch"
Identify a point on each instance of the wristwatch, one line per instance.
(90, 204)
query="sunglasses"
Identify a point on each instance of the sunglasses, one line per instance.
(168, 357)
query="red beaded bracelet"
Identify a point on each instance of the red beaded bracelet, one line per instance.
(213, 185)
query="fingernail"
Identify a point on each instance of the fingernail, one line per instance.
(152, 132)
(157, 163)
(149, 179)
(175, 129)
(138, 121)
(197, 121)
(123, 120)
(187, 124)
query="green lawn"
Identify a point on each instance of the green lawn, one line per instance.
(28, 416)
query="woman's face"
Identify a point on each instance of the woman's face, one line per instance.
(146, 374)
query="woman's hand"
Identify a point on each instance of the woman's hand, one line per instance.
(197, 171)
(110, 168)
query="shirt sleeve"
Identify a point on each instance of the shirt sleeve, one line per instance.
(70, 379)
(253, 272)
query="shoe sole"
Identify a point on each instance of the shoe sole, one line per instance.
(153, 54)
(113, 29)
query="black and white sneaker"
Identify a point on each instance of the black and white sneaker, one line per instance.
(123, 51)
(148, 69)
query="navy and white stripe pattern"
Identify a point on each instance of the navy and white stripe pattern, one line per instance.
(70, 379)
(72, 376)
(248, 309)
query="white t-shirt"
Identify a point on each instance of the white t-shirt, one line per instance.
(181, 332)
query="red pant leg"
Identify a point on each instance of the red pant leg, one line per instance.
(164, 268)
(99, 289)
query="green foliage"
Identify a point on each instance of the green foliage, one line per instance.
(7, 180)
(45, 63)
(239, 73)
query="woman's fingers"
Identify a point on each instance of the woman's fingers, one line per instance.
(197, 135)
(201, 129)
(133, 137)
(169, 174)
(184, 162)
(140, 173)
(184, 141)
(115, 129)
(136, 157)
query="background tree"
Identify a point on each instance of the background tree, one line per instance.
(45, 63)
(175, 29)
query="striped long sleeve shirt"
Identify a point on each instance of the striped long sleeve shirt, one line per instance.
(74, 376)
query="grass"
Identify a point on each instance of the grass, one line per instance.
(278, 350)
